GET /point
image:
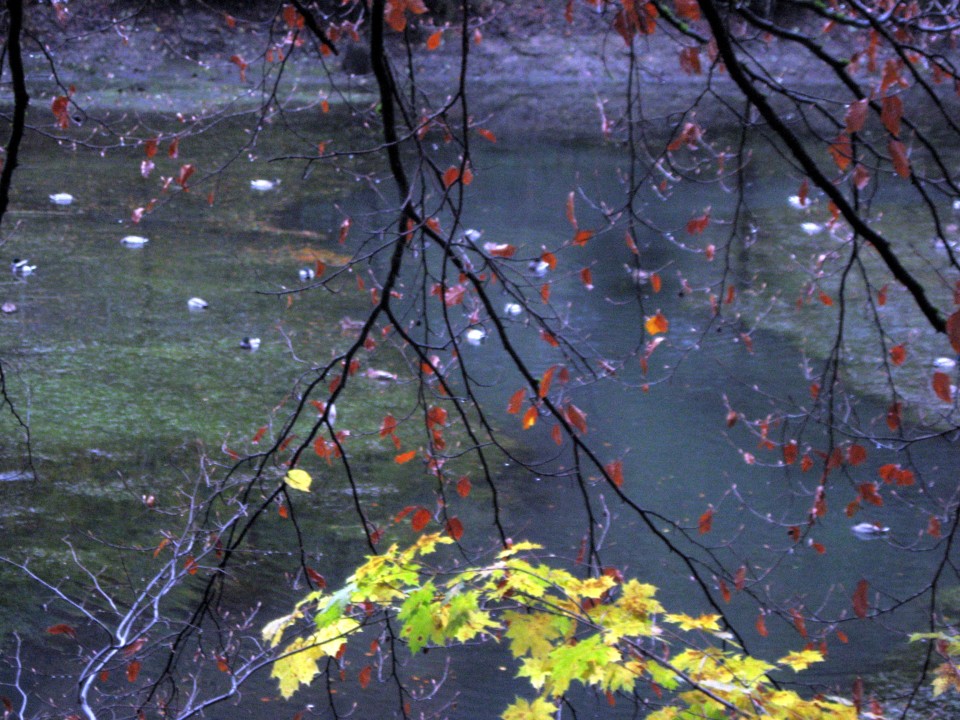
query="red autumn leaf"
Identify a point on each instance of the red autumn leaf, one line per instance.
(420, 519)
(933, 526)
(549, 338)
(790, 453)
(516, 401)
(581, 236)
(819, 547)
(655, 282)
(898, 154)
(293, 18)
(150, 147)
(856, 116)
(688, 10)
(890, 113)
(868, 491)
(133, 670)
(825, 299)
(258, 436)
(586, 277)
(731, 295)
(705, 523)
(222, 664)
(905, 477)
(798, 622)
(898, 354)
(463, 486)
(893, 416)
(546, 381)
(486, 135)
(344, 230)
(242, 64)
(888, 472)
(861, 603)
(450, 176)
(690, 60)
(454, 528)
(190, 565)
(856, 454)
(710, 252)
(740, 579)
(433, 42)
(185, 172)
(953, 331)
(761, 625)
(794, 533)
(316, 578)
(841, 151)
(174, 150)
(571, 217)
(60, 107)
(364, 676)
(134, 647)
(698, 224)
(436, 416)
(575, 417)
(504, 250)
(657, 324)
(556, 434)
(62, 629)
(568, 12)
(406, 457)
(724, 591)
(615, 471)
(941, 386)
(882, 296)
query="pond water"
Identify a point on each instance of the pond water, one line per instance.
(125, 388)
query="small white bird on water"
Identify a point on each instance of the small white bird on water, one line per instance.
(134, 241)
(306, 274)
(61, 198)
(21, 267)
(261, 185)
(475, 335)
(250, 343)
(869, 531)
(196, 303)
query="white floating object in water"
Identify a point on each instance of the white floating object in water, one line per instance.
(380, 375)
(869, 531)
(8, 307)
(512, 308)
(263, 185)
(61, 198)
(538, 267)
(945, 363)
(956, 206)
(811, 228)
(196, 303)
(134, 241)
(250, 343)
(797, 203)
(475, 335)
(21, 267)
(306, 274)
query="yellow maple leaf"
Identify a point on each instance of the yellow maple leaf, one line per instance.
(801, 660)
(298, 479)
(704, 622)
(539, 709)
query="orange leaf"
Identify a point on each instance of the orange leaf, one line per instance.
(571, 217)
(486, 135)
(790, 453)
(898, 354)
(615, 471)
(463, 486)
(576, 417)
(798, 622)
(740, 579)
(941, 386)
(841, 151)
(705, 523)
(316, 578)
(185, 172)
(898, 153)
(451, 175)
(455, 528)
(530, 418)
(882, 296)
(861, 177)
(761, 625)
(549, 338)
(581, 237)
(174, 150)
(724, 591)
(586, 277)
(433, 42)
(556, 434)
(825, 299)
(420, 519)
(516, 401)
(545, 293)
(546, 381)
(150, 147)
(657, 324)
(893, 416)
(933, 526)
(860, 601)
(697, 225)
(406, 457)
(655, 282)
(688, 10)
